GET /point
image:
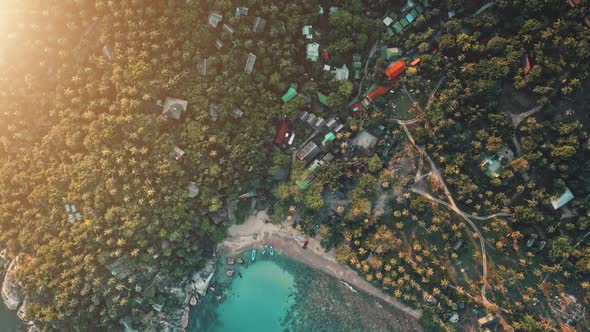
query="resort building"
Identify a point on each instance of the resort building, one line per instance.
(259, 24)
(215, 18)
(250, 61)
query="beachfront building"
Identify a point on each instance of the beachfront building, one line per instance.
(364, 140)
(395, 69)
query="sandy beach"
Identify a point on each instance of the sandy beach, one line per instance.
(255, 232)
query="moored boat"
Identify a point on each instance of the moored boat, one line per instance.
(272, 251)
(264, 249)
(253, 254)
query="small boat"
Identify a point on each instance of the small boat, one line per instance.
(193, 301)
(264, 249)
(305, 244)
(272, 251)
(253, 254)
(240, 260)
(240, 274)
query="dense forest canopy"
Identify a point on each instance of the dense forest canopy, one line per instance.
(81, 92)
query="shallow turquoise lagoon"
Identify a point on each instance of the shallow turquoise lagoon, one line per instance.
(259, 301)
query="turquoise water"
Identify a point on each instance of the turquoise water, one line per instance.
(279, 294)
(259, 301)
(9, 322)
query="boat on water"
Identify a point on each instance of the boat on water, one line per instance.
(253, 254)
(272, 251)
(264, 249)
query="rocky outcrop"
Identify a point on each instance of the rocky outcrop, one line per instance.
(11, 291)
(201, 279)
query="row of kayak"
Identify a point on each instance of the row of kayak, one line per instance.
(266, 248)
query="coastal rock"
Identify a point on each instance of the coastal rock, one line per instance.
(185, 314)
(202, 278)
(11, 292)
(33, 328)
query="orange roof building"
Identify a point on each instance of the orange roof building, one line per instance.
(378, 92)
(395, 69)
(415, 62)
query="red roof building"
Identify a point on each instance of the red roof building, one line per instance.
(526, 64)
(395, 69)
(326, 55)
(415, 62)
(574, 3)
(356, 108)
(380, 91)
(285, 134)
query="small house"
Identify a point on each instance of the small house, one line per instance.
(290, 94)
(215, 18)
(562, 200)
(228, 28)
(174, 107)
(307, 32)
(177, 152)
(319, 123)
(313, 51)
(213, 112)
(395, 69)
(388, 53)
(311, 119)
(356, 61)
(218, 44)
(236, 113)
(365, 140)
(495, 164)
(342, 73)
(259, 24)
(308, 152)
(193, 190)
(323, 99)
(120, 268)
(241, 11)
(415, 62)
(250, 61)
(387, 21)
(202, 67)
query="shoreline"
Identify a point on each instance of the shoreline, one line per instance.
(255, 232)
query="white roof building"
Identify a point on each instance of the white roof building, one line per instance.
(342, 73)
(313, 51)
(215, 18)
(174, 107)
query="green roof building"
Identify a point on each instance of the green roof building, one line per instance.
(356, 61)
(388, 53)
(397, 26)
(323, 99)
(415, 13)
(329, 137)
(390, 32)
(291, 93)
(563, 199)
(404, 22)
